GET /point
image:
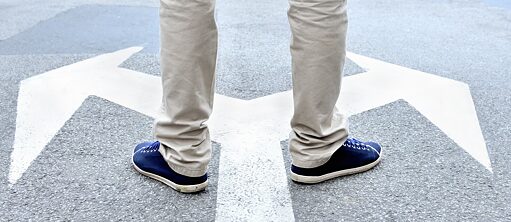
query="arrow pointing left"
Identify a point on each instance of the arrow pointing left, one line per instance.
(47, 101)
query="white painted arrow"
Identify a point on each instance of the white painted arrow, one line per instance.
(445, 102)
(252, 182)
(47, 101)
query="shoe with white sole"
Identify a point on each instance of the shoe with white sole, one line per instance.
(352, 157)
(148, 161)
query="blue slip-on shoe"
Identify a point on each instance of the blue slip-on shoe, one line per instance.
(352, 157)
(148, 161)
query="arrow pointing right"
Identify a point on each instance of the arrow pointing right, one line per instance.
(445, 102)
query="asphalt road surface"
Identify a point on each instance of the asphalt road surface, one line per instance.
(84, 172)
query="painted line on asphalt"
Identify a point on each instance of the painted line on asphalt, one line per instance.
(252, 183)
(447, 103)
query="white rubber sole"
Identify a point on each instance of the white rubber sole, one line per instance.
(319, 179)
(180, 188)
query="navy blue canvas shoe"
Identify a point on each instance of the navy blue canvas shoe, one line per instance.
(149, 162)
(352, 157)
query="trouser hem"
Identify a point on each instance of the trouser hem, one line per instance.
(321, 159)
(187, 171)
(309, 163)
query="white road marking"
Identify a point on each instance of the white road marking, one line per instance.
(47, 101)
(252, 183)
(445, 102)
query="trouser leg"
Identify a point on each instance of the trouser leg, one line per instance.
(318, 50)
(188, 59)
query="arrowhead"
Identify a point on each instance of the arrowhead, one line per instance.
(445, 102)
(47, 101)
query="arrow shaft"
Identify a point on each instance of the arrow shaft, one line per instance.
(252, 179)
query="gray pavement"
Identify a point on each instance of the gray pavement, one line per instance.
(84, 173)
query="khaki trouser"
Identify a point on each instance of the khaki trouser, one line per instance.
(188, 61)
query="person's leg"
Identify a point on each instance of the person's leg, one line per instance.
(318, 49)
(188, 59)
(319, 143)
